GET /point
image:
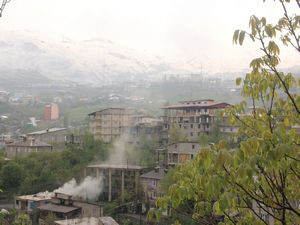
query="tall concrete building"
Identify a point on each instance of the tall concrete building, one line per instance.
(51, 112)
(109, 124)
(193, 118)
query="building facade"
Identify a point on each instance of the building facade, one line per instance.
(109, 124)
(150, 182)
(25, 147)
(51, 112)
(116, 179)
(177, 153)
(192, 118)
(50, 136)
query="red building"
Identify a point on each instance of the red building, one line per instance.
(51, 112)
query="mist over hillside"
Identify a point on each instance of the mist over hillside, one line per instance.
(34, 58)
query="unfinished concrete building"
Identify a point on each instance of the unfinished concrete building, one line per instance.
(177, 153)
(147, 127)
(117, 179)
(193, 118)
(109, 124)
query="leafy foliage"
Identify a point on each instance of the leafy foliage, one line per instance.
(259, 180)
(49, 170)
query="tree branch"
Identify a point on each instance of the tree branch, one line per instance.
(4, 2)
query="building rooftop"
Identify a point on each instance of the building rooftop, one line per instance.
(57, 208)
(29, 143)
(119, 166)
(47, 131)
(88, 221)
(36, 197)
(197, 104)
(183, 142)
(93, 113)
(157, 174)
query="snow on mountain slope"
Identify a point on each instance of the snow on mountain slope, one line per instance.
(94, 61)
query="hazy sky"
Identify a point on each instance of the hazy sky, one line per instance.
(171, 28)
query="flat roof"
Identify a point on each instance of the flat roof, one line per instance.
(101, 110)
(196, 105)
(119, 166)
(183, 142)
(199, 100)
(57, 208)
(36, 197)
(47, 131)
(88, 221)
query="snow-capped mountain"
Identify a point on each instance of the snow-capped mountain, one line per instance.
(94, 61)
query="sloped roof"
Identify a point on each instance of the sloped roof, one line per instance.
(57, 208)
(47, 131)
(154, 174)
(93, 113)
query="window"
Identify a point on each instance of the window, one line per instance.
(179, 125)
(175, 146)
(207, 126)
(192, 156)
(192, 126)
(199, 126)
(191, 134)
(193, 146)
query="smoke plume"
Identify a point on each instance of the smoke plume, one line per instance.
(121, 152)
(89, 189)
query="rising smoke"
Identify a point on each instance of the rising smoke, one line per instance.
(121, 152)
(89, 189)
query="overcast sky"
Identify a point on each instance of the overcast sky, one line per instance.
(171, 28)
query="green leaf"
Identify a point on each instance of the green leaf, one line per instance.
(238, 81)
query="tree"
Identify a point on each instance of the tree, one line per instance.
(22, 219)
(11, 176)
(259, 180)
(176, 135)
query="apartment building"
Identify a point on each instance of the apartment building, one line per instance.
(148, 127)
(109, 124)
(193, 118)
